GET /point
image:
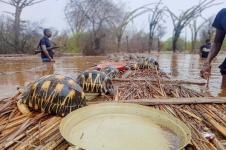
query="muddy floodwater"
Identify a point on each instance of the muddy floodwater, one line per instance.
(17, 71)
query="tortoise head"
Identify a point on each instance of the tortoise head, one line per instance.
(108, 87)
(80, 98)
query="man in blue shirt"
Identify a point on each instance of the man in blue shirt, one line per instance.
(205, 49)
(46, 47)
(220, 25)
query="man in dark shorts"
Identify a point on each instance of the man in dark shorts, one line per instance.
(205, 49)
(220, 25)
(45, 47)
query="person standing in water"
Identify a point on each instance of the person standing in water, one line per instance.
(220, 25)
(46, 47)
(205, 49)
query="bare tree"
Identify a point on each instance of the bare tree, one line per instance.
(194, 33)
(181, 21)
(207, 31)
(94, 18)
(19, 5)
(29, 35)
(5, 34)
(160, 32)
(121, 23)
(139, 41)
(76, 18)
(154, 22)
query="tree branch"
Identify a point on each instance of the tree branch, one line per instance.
(6, 2)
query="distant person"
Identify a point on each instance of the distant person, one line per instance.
(46, 47)
(205, 49)
(220, 25)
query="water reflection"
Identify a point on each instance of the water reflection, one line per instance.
(187, 67)
(174, 65)
(49, 69)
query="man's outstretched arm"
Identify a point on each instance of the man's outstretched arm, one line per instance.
(218, 41)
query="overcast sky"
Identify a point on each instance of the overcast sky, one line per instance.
(51, 12)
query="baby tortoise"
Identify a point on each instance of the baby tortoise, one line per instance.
(95, 82)
(53, 94)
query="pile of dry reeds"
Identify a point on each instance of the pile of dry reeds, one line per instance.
(145, 73)
(150, 83)
(149, 89)
(39, 131)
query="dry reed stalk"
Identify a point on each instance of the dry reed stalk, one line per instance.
(218, 112)
(54, 142)
(6, 106)
(26, 133)
(63, 145)
(15, 123)
(190, 114)
(52, 131)
(195, 132)
(44, 131)
(215, 124)
(9, 140)
(217, 144)
(15, 117)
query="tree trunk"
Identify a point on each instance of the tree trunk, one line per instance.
(175, 39)
(194, 42)
(127, 44)
(119, 39)
(17, 29)
(151, 38)
(97, 44)
(150, 43)
(159, 46)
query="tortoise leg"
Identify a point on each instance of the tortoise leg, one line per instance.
(23, 108)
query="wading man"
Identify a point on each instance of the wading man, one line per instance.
(46, 47)
(220, 25)
(205, 49)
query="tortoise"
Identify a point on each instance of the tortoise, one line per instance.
(111, 71)
(148, 63)
(52, 94)
(132, 66)
(95, 82)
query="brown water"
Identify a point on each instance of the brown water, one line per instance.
(188, 66)
(16, 71)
